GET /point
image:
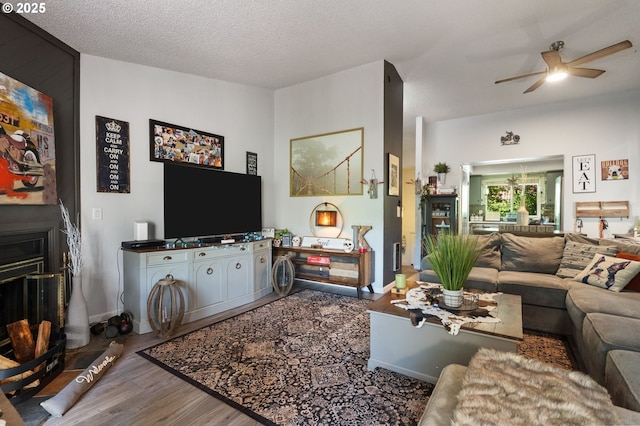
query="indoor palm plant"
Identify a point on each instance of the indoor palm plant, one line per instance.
(452, 257)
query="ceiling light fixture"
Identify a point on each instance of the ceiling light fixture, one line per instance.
(557, 74)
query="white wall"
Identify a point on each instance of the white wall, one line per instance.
(345, 100)
(606, 126)
(134, 93)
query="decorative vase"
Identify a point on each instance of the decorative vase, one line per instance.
(522, 216)
(442, 177)
(77, 326)
(452, 298)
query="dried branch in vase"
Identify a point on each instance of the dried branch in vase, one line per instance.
(73, 242)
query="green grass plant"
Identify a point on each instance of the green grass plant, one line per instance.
(451, 257)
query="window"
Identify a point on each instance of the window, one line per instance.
(503, 195)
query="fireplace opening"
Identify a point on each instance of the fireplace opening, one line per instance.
(28, 292)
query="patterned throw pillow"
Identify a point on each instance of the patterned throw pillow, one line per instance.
(576, 256)
(635, 282)
(610, 273)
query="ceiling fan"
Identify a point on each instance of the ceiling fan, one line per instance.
(557, 69)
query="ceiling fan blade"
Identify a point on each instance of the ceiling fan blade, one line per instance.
(601, 53)
(518, 77)
(552, 58)
(585, 72)
(535, 85)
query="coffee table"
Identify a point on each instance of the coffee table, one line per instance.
(422, 353)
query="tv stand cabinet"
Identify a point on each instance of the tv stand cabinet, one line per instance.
(212, 278)
(348, 269)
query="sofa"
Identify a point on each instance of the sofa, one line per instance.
(568, 288)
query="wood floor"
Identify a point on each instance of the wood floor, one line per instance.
(136, 392)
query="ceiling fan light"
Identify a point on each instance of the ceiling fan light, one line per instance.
(556, 75)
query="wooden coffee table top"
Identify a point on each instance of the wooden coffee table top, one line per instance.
(509, 310)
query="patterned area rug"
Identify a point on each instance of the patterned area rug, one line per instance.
(300, 360)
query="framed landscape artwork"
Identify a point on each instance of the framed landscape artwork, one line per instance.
(171, 143)
(327, 164)
(27, 145)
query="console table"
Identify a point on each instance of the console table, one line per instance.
(212, 278)
(330, 266)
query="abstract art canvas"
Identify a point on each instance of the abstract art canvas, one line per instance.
(27, 145)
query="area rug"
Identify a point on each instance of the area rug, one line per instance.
(300, 360)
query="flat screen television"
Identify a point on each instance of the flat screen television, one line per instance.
(210, 203)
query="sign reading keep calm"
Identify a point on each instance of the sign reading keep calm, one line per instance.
(112, 152)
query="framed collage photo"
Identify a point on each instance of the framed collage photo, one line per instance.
(170, 143)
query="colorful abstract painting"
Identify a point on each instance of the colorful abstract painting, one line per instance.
(27, 145)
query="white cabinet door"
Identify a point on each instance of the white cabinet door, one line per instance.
(210, 287)
(239, 276)
(262, 271)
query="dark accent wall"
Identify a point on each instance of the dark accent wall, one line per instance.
(393, 111)
(34, 57)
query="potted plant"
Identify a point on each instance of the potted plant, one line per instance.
(279, 235)
(441, 169)
(452, 257)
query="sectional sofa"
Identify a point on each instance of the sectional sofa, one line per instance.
(574, 286)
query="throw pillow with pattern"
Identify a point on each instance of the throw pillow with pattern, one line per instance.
(635, 281)
(576, 256)
(607, 272)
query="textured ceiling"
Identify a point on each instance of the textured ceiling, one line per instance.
(448, 52)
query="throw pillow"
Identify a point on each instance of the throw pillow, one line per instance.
(635, 281)
(576, 256)
(607, 272)
(531, 254)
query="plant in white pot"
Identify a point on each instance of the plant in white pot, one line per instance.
(452, 257)
(442, 169)
(77, 325)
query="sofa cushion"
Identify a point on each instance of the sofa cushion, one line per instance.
(528, 254)
(622, 378)
(621, 245)
(535, 289)
(576, 256)
(580, 238)
(489, 246)
(485, 279)
(602, 333)
(634, 284)
(582, 300)
(444, 397)
(608, 272)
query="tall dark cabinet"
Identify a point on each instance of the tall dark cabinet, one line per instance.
(440, 213)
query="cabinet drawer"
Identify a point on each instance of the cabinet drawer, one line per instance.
(167, 257)
(206, 253)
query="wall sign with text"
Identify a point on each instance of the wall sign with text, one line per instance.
(584, 173)
(112, 155)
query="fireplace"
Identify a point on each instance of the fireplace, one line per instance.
(28, 291)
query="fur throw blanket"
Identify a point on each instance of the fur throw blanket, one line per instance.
(501, 388)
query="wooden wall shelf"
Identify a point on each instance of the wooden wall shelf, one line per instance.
(602, 209)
